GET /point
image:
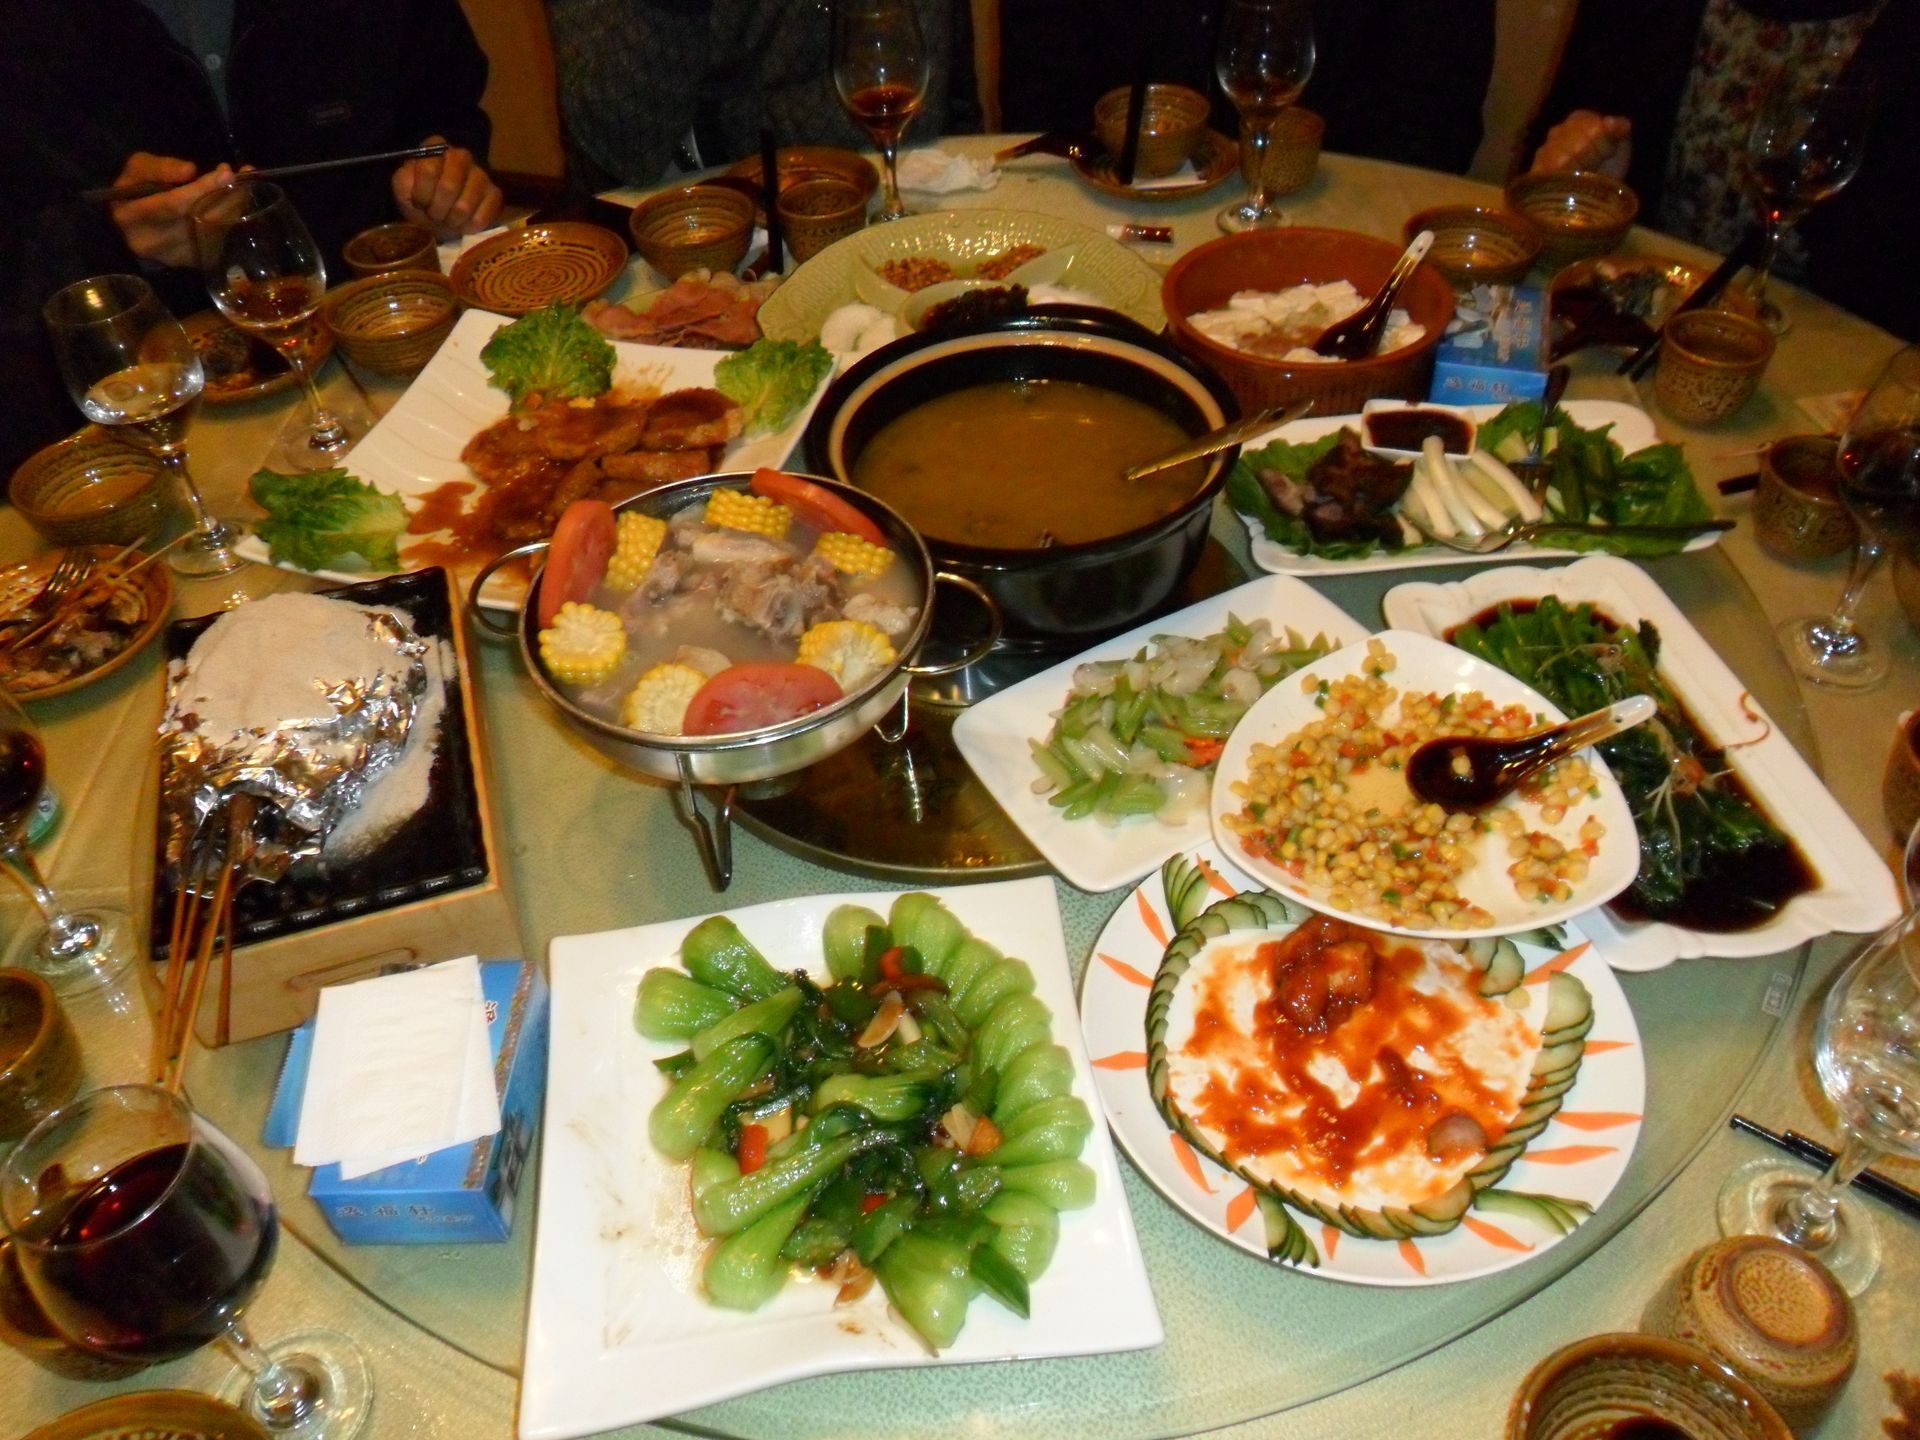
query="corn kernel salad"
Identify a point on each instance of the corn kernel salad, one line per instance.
(1330, 805)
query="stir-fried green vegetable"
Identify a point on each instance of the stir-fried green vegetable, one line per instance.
(1696, 825)
(911, 1120)
(1140, 736)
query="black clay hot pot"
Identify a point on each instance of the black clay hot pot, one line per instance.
(1062, 597)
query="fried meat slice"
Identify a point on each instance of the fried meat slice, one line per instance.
(691, 419)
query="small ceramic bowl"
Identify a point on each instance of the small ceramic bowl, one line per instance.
(1476, 246)
(39, 1055)
(1710, 365)
(1797, 512)
(24, 1327)
(401, 245)
(1900, 782)
(692, 228)
(1596, 1387)
(392, 323)
(92, 488)
(1769, 1312)
(151, 1414)
(1577, 212)
(815, 213)
(1171, 123)
(1293, 151)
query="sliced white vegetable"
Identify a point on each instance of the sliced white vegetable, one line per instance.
(1518, 495)
(1428, 508)
(1433, 456)
(1408, 533)
(1489, 512)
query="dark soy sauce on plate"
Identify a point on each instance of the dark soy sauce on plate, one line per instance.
(1408, 429)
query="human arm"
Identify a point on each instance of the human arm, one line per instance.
(450, 194)
(1587, 140)
(157, 229)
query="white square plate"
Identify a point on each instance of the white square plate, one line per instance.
(1857, 893)
(416, 445)
(618, 1333)
(993, 735)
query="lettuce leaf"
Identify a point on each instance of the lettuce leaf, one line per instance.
(772, 379)
(551, 354)
(1250, 498)
(327, 520)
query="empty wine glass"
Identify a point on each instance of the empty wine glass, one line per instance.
(128, 364)
(1879, 483)
(1866, 1050)
(1263, 63)
(1805, 145)
(144, 1232)
(880, 70)
(71, 951)
(267, 276)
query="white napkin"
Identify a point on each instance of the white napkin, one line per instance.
(401, 1067)
(1185, 175)
(933, 171)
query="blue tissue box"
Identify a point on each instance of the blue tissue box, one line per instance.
(465, 1192)
(1498, 355)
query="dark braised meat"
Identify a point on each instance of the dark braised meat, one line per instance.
(971, 306)
(1347, 494)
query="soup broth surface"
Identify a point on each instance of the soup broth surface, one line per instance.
(1021, 464)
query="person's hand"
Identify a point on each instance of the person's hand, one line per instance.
(449, 193)
(1586, 140)
(156, 228)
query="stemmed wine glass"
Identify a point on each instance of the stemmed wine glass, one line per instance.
(267, 276)
(128, 364)
(1879, 463)
(1866, 1049)
(880, 70)
(144, 1232)
(1805, 145)
(72, 951)
(1263, 63)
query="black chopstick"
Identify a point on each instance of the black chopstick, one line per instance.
(770, 188)
(114, 194)
(1870, 1182)
(1739, 484)
(1741, 256)
(1136, 112)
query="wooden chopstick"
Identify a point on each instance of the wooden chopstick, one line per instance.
(114, 194)
(191, 959)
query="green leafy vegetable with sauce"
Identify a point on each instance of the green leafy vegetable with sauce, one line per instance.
(772, 379)
(328, 520)
(550, 354)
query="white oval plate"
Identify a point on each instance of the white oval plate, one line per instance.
(1426, 664)
(1581, 1155)
(1857, 893)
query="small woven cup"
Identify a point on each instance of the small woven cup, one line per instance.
(392, 323)
(1171, 122)
(1797, 512)
(1293, 151)
(401, 245)
(692, 228)
(1594, 1387)
(1710, 364)
(39, 1053)
(1476, 246)
(92, 488)
(815, 213)
(1579, 213)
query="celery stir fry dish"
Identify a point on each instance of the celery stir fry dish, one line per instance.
(909, 1120)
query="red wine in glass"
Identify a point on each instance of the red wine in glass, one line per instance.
(1880, 481)
(880, 68)
(884, 110)
(23, 775)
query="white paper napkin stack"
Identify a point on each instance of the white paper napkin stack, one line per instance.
(932, 171)
(401, 1067)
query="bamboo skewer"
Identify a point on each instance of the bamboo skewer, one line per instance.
(73, 603)
(201, 924)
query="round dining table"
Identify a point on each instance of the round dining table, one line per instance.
(1250, 1348)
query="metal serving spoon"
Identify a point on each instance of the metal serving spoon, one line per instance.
(1358, 336)
(1471, 772)
(1225, 437)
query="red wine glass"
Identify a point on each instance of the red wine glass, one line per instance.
(1880, 486)
(267, 276)
(1264, 61)
(880, 68)
(144, 1233)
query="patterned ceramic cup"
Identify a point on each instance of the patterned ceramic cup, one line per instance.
(1900, 784)
(1797, 511)
(1602, 1385)
(39, 1056)
(1710, 364)
(816, 212)
(1770, 1312)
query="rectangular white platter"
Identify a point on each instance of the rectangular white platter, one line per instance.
(1857, 893)
(618, 1332)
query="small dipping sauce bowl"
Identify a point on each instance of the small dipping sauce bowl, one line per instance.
(1710, 365)
(1797, 511)
(1171, 123)
(695, 227)
(815, 213)
(401, 245)
(1641, 1386)
(39, 1055)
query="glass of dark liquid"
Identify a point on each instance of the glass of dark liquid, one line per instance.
(267, 276)
(72, 951)
(880, 70)
(144, 1232)
(128, 364)
(1879, 483)
(1264, 61)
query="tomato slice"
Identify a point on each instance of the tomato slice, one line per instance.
(816, 505)
(577, 556)
(751, 697)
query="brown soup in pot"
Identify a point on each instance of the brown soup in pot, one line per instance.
(1024, 464)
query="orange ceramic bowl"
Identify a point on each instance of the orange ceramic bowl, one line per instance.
(1207, 277)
